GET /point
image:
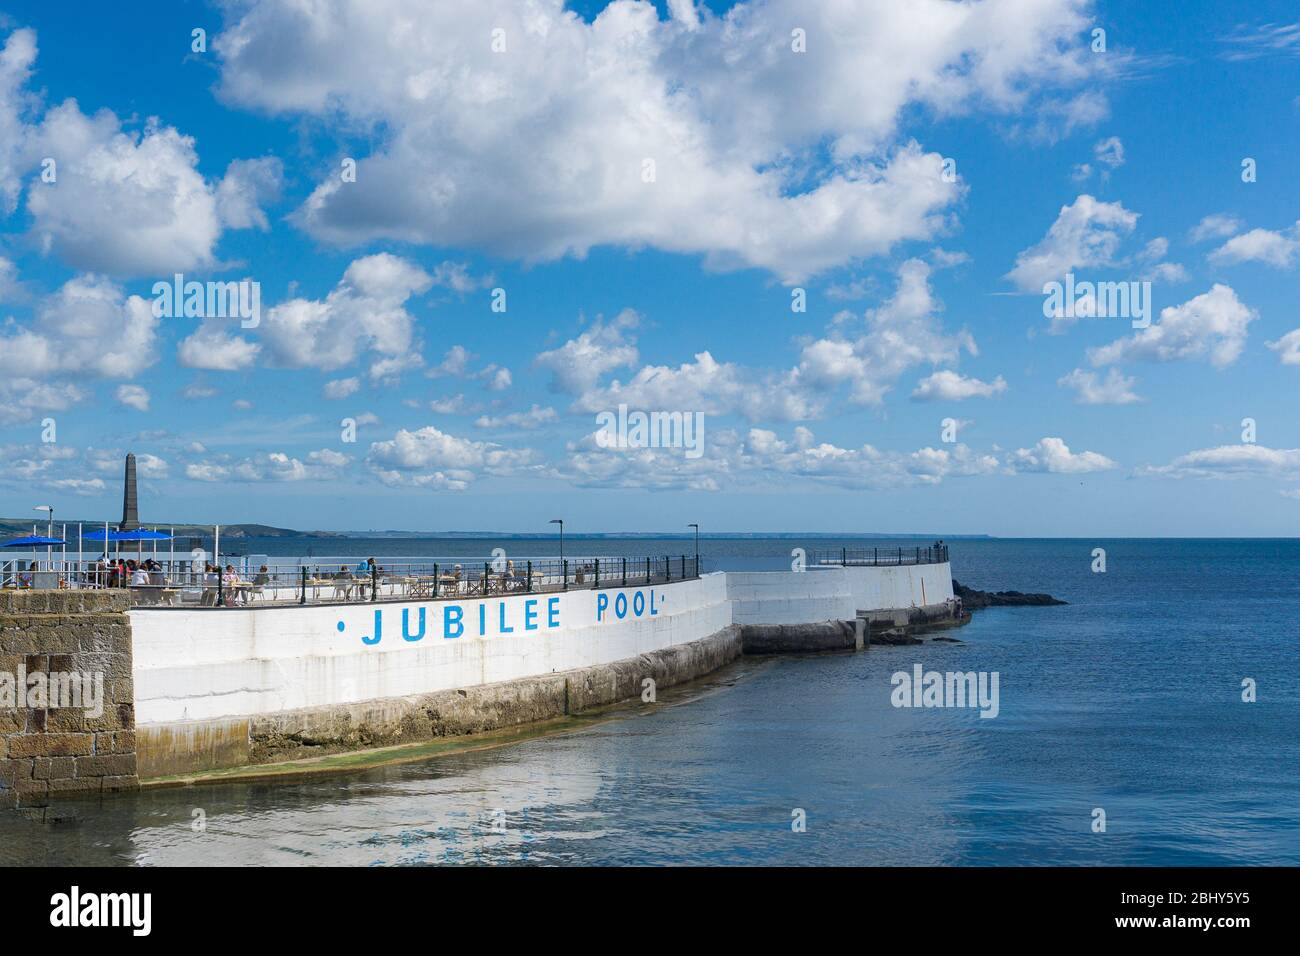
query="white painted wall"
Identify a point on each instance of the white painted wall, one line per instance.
(834, 594)
(199, 664)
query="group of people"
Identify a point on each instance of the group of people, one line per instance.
(228, 580)
(121, 573)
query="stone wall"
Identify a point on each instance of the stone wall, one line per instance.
(188, 747)
(48, 751)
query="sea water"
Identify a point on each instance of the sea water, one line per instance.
(1128, 701)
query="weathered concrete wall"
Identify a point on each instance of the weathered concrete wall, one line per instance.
(834, 593)
(46, 751)
(231, 688)
(186, 747)
(193, 664)
(801, 638)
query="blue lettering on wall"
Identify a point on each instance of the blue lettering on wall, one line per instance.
(406, 625)
(638, 603)
(451, 616)
(602, 602)
(620, 606)
(379, 630)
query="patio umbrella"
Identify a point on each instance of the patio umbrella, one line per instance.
(33, 541)
(139, 534)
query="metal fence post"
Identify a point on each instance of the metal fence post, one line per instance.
(625, 572)
(374, 583)
(221, 588)
(435, 579)
(647, 570)
(485, 578)
(529, 585)
(595, 580)
(303, 598)
(844, 557)
(564, 572)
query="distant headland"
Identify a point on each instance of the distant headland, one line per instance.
(19, 526)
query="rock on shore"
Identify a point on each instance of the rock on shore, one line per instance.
(975, 600)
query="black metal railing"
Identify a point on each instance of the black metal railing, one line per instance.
(180, 585)
(881, 557)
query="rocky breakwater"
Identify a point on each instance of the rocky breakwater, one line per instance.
(974, 600)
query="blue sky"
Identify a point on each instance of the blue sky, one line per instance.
(523, 169)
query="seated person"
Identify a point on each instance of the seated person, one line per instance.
(139, 577)
(262, 577)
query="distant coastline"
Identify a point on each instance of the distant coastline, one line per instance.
(20, 526)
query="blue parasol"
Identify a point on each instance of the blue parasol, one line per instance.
(140, 534)
(31, 541)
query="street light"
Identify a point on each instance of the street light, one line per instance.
(560, 522)
(49, 533)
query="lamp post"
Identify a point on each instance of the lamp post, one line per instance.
(49, 533)
(560, 522)
(697, 544)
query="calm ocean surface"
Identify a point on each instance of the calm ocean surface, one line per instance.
(1127, 699)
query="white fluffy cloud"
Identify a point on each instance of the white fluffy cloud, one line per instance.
(322, 465)
(430, 458)
(735, 176)
(342, 387)
(1229, 461)
(1214, 226)
(1213, 326)
(17, 56)
(705, 385)
(760, 458)
(88, 329)
(134, 396)
(365, 311)
(123, 202)
(1090, 389)
(901, 334)
(535, 417)
(1054, 455)
(216, 346)
(947, 386)
(580, 363)
(1278, 249)
(1086, 234)
(1287, 348)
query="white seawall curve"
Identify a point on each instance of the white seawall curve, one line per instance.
(205, 664)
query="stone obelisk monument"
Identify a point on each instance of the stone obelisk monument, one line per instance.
(130, 502)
